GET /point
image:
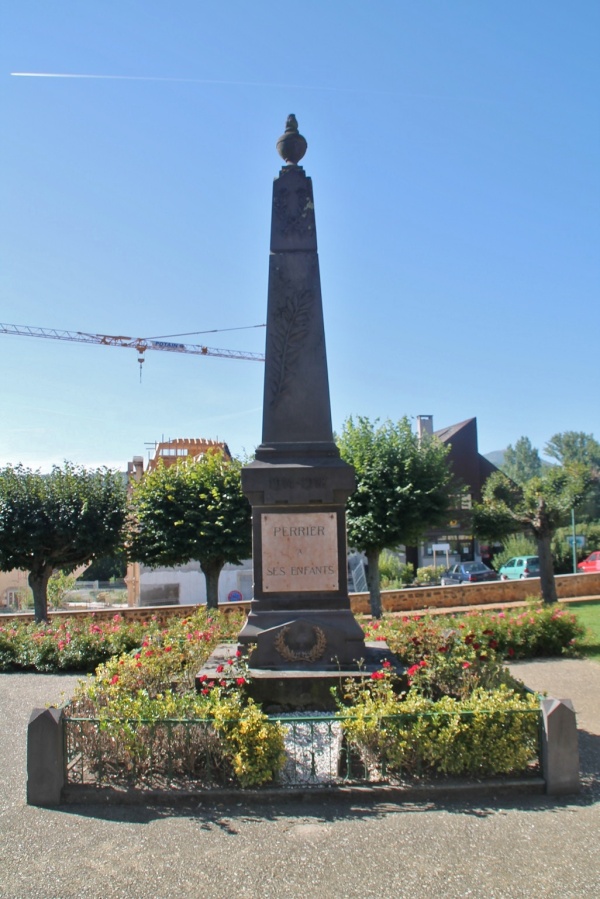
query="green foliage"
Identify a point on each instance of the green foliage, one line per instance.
(537, 507)
(59, 585)
(514, 545)
(81, 643)
(402, 488)
(577, 448)
(562, 552)
(488, 733)
(574, 447)
(535, 630)
(60, 520)
(402, 483)
(430, 574)
(393, 572)
(194, 510)
(107, 568)
(522, 462)
(135, 694)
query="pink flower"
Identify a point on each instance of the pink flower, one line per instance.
(466, 664)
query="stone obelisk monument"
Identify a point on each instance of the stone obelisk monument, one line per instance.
(300, 618)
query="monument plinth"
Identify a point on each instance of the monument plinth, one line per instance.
(300, 617)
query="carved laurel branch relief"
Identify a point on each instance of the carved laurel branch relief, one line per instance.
(290, 327)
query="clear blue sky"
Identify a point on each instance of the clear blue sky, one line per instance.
(454, 149)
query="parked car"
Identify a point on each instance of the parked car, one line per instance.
(592, 563)
(520, 567)
(468, 573)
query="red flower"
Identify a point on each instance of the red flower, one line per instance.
(114, 679)
(377, 675)
(205, 690)
(238, 654)
(466, 664)
(168, 648)
(511, 651)
(240, 681)
(203, 678)
(387, 664)
(230, 661)
(413, 670)
(443, 649)
(493, 644)
(219, 669)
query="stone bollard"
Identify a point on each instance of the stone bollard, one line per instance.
(45, 757)
(560, 750)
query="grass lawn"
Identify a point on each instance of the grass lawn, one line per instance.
(588, 614)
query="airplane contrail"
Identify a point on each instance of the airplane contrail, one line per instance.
(179, 80)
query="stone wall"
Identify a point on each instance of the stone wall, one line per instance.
(568, 586)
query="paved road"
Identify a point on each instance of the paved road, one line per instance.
(525, 847)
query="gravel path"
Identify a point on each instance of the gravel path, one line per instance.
(525, 847)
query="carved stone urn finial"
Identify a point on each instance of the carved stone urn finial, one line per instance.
(291, 146)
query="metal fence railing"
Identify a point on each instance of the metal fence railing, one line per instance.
(189, 753)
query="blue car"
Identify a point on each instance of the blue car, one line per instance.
(468, 573)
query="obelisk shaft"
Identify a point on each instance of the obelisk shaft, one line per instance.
(298, 484)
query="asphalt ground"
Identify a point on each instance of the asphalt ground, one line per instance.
(497, 847)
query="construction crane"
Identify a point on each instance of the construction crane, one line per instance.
(141, 344)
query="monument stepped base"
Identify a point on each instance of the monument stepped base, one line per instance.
(296, 689)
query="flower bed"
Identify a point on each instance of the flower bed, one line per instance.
(456, 711)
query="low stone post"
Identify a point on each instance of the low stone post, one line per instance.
(45, 757)
(560, 749)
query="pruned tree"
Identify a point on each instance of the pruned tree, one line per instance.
(57, 521)
(403, 488)
(192, 511)
(537, 507)
(522, 462)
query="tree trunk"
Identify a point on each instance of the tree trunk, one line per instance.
(38, 581)
(547, 583)
(212, 570)
(373, 581)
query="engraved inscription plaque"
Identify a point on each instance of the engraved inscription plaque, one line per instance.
(299, 552)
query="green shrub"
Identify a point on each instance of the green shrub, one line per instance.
(430, 574)
(489, 733)
(479, 636)
(515, 545)
(392, 572)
